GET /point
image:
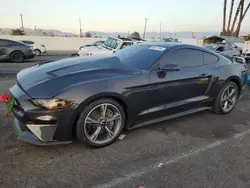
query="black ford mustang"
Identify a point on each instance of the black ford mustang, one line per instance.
(97, 97)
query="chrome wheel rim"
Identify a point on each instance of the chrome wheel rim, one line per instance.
(37, 53)
(228, 98)
(103, 123)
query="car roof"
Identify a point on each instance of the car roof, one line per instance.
(10, 40)
(167, 45)
(177, 45)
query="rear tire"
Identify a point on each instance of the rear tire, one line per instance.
(17, 57)
(226, 99)
(37, 52)
(100, 123)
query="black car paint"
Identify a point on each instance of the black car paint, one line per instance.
(145, 95)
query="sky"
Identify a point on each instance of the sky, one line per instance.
(116, 16)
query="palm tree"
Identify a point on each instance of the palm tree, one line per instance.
(236, 15)
(242, 15)
(224, 17)
(230, 15)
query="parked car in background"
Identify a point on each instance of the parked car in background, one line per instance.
(38, 48)
(96, 98)
(111, 45)
(97, 43)
(222, 49)
(247, 55)
(237, 51)
(15, 51)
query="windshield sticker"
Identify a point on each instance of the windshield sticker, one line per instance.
(157, 48)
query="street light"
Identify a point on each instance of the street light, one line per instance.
(146, 19)
(80, 22)
(22, 21)
(160, 30)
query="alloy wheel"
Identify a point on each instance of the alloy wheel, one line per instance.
(229, 98)
(103, 123)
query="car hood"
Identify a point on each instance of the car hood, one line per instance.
(46, 80)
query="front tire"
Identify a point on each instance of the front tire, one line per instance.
(37, 52)
(227, 98)
(100, 123)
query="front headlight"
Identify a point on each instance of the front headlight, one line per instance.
(52, 104)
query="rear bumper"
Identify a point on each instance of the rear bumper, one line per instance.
(39, 126)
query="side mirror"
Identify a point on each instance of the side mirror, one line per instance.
(170, 67)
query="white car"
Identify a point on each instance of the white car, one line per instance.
(111, 45)
(38, 48)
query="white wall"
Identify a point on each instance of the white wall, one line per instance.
(73, 43)
(56, 43)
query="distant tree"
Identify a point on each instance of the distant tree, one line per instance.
(17, 32)
(88, 34)
(247, 37)
(135, 35)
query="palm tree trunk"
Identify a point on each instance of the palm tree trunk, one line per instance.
(224, 17)
(236, 16)
(230, 15)
(237, 31)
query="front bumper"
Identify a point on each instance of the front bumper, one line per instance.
(39, 126)
(29, 56)
(26, 135)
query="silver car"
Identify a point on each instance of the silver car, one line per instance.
(224, 50)
(15, 51)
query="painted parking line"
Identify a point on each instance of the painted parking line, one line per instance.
(167, 161)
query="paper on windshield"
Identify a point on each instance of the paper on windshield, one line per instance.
(157, 48)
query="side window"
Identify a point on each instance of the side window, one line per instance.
(126, 44)
(220, 49)
(226, 48)
(185, 58)
(209, 58)
(4, 43)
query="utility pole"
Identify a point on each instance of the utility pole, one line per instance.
(128, 33)
(80, 22)
(146, 19)
(22, 22)
(160, 30)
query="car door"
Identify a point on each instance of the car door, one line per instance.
(181, 90)
(4, 45)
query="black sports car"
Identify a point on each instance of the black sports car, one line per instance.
(97, 97)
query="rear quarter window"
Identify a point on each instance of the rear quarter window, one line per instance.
(209, 58)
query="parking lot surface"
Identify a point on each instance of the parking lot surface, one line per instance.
(199, 150)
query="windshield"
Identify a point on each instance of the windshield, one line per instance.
(140, 56)
(211, 47)
(112, 43)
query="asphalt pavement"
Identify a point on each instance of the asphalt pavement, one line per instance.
(202, 150)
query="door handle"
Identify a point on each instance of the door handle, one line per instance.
(203, 75)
